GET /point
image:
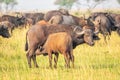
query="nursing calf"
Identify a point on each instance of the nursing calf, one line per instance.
(63, 46)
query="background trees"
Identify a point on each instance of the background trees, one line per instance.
(8, 4)
(67, 4)
(118, 1)
(91, 4)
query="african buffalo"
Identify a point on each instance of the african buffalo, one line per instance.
(102, 25)
(9, 25)
(38, 34)
(112, 17)
(42, 22)
(33, 18)
(95, 14)
(116, 21)
(63, 45)
(17, 21)
(62, 19)
(57, 17)
(4, 32)
(52, 13)
(68, 19)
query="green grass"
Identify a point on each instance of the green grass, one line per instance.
(100, 62)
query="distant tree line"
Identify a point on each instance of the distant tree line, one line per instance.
(8, 4)
(90, 4)
(69, 3)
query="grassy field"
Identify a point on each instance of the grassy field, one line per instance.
(100, 62)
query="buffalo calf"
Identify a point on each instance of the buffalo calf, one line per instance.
(63, 45)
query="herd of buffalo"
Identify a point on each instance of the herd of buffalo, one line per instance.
(58, 31)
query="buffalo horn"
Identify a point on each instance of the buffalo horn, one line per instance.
(80, 33)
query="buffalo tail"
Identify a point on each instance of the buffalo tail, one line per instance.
(26, 44)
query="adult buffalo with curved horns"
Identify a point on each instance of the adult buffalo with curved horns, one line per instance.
(38, 34)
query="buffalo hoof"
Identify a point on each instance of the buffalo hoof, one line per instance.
(37, 66)
(55, 66)
(45, 54)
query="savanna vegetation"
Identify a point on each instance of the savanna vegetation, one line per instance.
(100, 62)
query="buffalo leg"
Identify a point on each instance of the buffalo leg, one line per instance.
(34, 60)
(56, 60)
(28, 59)
(50, 59)
(72, 60)
(71, 57)
(67, 60)
(29, 55)
(104, 35)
